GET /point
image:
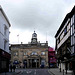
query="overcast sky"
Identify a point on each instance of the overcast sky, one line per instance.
(43, 16)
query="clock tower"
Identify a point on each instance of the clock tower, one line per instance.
(34, 38)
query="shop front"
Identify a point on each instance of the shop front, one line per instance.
(4, 61)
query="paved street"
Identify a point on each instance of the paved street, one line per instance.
(29, 72)
(32, 72)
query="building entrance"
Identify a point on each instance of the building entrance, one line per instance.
(25, 64)
(34, 63)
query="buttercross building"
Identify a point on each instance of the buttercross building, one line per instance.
(31, 55)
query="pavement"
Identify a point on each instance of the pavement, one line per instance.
(28, 72)
(56, 71)
(52, 71)
(11, 73)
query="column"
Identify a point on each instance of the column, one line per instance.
(31, 63)
(27, 63)
(39, 63)
(36, 63)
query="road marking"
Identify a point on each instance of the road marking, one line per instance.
(18, 72)
(35, 72)
(50, 72)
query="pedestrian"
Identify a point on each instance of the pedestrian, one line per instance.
(11, 68)
(14, 67)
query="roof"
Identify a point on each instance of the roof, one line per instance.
(5, 16)
(29, 45)
(69, 15)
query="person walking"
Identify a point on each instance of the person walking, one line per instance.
(14, 67)
(11, 68)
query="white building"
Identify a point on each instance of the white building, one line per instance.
(4, 41)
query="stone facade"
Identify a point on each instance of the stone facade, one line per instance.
(32, 55)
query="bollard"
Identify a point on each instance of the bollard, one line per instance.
(63, 71)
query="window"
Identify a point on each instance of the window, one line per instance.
(42, 44)
(16, 53)
(5, 42)
(33, 53)
(42, 53)
(25, 53)
(61, 36)
(68, 26)
(5, 30)
(71, 30)
(65, 31)
(72, 50)
(74, 40)
(72, 20)
(58, 41)
(71, 41)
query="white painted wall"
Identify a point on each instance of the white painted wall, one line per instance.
(4, 37)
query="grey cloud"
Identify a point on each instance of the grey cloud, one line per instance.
(43, 15)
